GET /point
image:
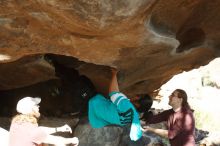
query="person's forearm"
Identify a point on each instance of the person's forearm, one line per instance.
(160, 132)
(51, 139)
(114, 82)
(50, 130)
(58, 140)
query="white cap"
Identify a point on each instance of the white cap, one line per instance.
(26, 104)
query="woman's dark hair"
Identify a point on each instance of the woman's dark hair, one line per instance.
(182, 94)
(145, 103)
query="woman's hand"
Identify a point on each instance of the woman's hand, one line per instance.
(114, 70)
(64, 128)
(75, 141)
(146, 128)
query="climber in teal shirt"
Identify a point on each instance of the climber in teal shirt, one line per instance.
(118, 110)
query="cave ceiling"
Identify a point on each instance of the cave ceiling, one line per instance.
(148, 41)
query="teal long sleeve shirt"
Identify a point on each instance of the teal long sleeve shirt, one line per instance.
(120, 111)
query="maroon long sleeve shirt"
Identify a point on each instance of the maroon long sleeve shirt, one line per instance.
(180, 124)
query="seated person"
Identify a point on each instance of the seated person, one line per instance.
(24, 129)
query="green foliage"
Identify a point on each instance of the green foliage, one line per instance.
(206, 121)
(201, 117)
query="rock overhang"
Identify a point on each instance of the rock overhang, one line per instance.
(147, 41)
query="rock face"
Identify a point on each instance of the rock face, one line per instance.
(148, 41)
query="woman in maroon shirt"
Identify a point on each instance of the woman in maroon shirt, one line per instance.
(180, 121)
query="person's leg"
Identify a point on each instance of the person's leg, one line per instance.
(113, 87)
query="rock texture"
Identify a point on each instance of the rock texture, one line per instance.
(148, 41)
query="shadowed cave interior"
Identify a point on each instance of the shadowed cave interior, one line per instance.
(60, 96)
